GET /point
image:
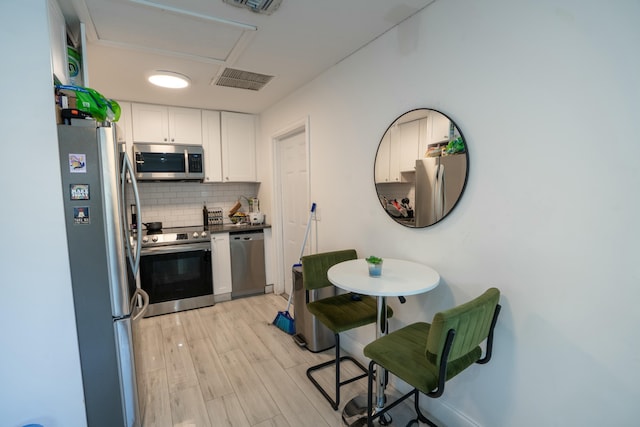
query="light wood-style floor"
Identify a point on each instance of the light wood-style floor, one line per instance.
(227, 365)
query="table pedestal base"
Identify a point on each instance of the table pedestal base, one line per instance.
(354, 413)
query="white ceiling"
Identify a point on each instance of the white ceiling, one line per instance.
(128, 39)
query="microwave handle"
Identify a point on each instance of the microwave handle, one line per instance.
(186, 160)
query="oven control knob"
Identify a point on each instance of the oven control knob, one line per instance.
(154, 239)
(195, 235)
(145, 239)
(203, 234)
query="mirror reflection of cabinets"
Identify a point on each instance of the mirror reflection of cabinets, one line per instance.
(421, 168)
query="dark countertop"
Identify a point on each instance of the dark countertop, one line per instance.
(233, 228)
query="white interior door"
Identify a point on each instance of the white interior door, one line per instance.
(293, 177)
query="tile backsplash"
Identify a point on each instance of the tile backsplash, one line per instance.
(179, 204)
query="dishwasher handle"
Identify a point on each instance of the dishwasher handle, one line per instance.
(243, 237)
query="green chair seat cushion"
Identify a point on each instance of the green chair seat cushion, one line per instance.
(340, 313)
(402, 352)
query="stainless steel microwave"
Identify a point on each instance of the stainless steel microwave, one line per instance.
(169, 162)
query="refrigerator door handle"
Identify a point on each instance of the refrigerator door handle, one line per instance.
(134, 261)
(442, 192)
(126, 362)
(145, 303)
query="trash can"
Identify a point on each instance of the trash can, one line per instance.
(310, 332)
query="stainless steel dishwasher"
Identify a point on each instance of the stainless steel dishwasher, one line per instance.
(248, 275)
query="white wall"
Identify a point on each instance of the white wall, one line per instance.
(40, 377)
(547, 95)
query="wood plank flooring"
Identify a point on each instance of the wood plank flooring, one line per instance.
(227, 365)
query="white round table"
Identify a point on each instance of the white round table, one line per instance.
(399, 278)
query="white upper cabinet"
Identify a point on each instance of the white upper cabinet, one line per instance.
(212, 146)
(58, 36)
(439, 128)
(396, 154)
(238, 138)
(228, 139)
(150, 123)
(381, 168)
(123, 128)
(166, 125)
(409, 145)
(185, 126)
(123, 125)
(436, 131)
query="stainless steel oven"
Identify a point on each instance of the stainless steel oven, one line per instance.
(175, 270)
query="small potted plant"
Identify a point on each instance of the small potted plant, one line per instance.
(375, 266)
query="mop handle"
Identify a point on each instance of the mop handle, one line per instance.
(304, 243)
(306, 233)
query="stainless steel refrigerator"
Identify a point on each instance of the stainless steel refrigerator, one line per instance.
(102, 265)
(439, 184)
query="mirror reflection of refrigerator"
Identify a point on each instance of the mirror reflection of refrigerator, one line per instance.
(439, 183)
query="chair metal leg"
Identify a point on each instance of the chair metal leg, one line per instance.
(335, 403)
(421, 416)
(385, 418)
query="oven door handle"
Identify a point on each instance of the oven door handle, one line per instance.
(169, 249)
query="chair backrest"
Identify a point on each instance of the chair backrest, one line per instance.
(314, 267)
(472, 324)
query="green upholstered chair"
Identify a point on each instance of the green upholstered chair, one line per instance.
(338, 313)
(426, 356)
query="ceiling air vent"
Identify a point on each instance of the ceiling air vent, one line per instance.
(258, 6)
(242, 79)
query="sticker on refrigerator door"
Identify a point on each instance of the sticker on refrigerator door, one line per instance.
(77, 163)
(79, 191)
(81, 215)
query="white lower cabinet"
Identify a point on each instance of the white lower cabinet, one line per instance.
(221, 263)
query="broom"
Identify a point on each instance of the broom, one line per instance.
(283, 319)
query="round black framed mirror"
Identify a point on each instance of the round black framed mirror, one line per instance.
(421, 168)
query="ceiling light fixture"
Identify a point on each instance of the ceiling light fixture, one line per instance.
(169, 79)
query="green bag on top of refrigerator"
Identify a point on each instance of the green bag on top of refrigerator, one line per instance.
(91, 101)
